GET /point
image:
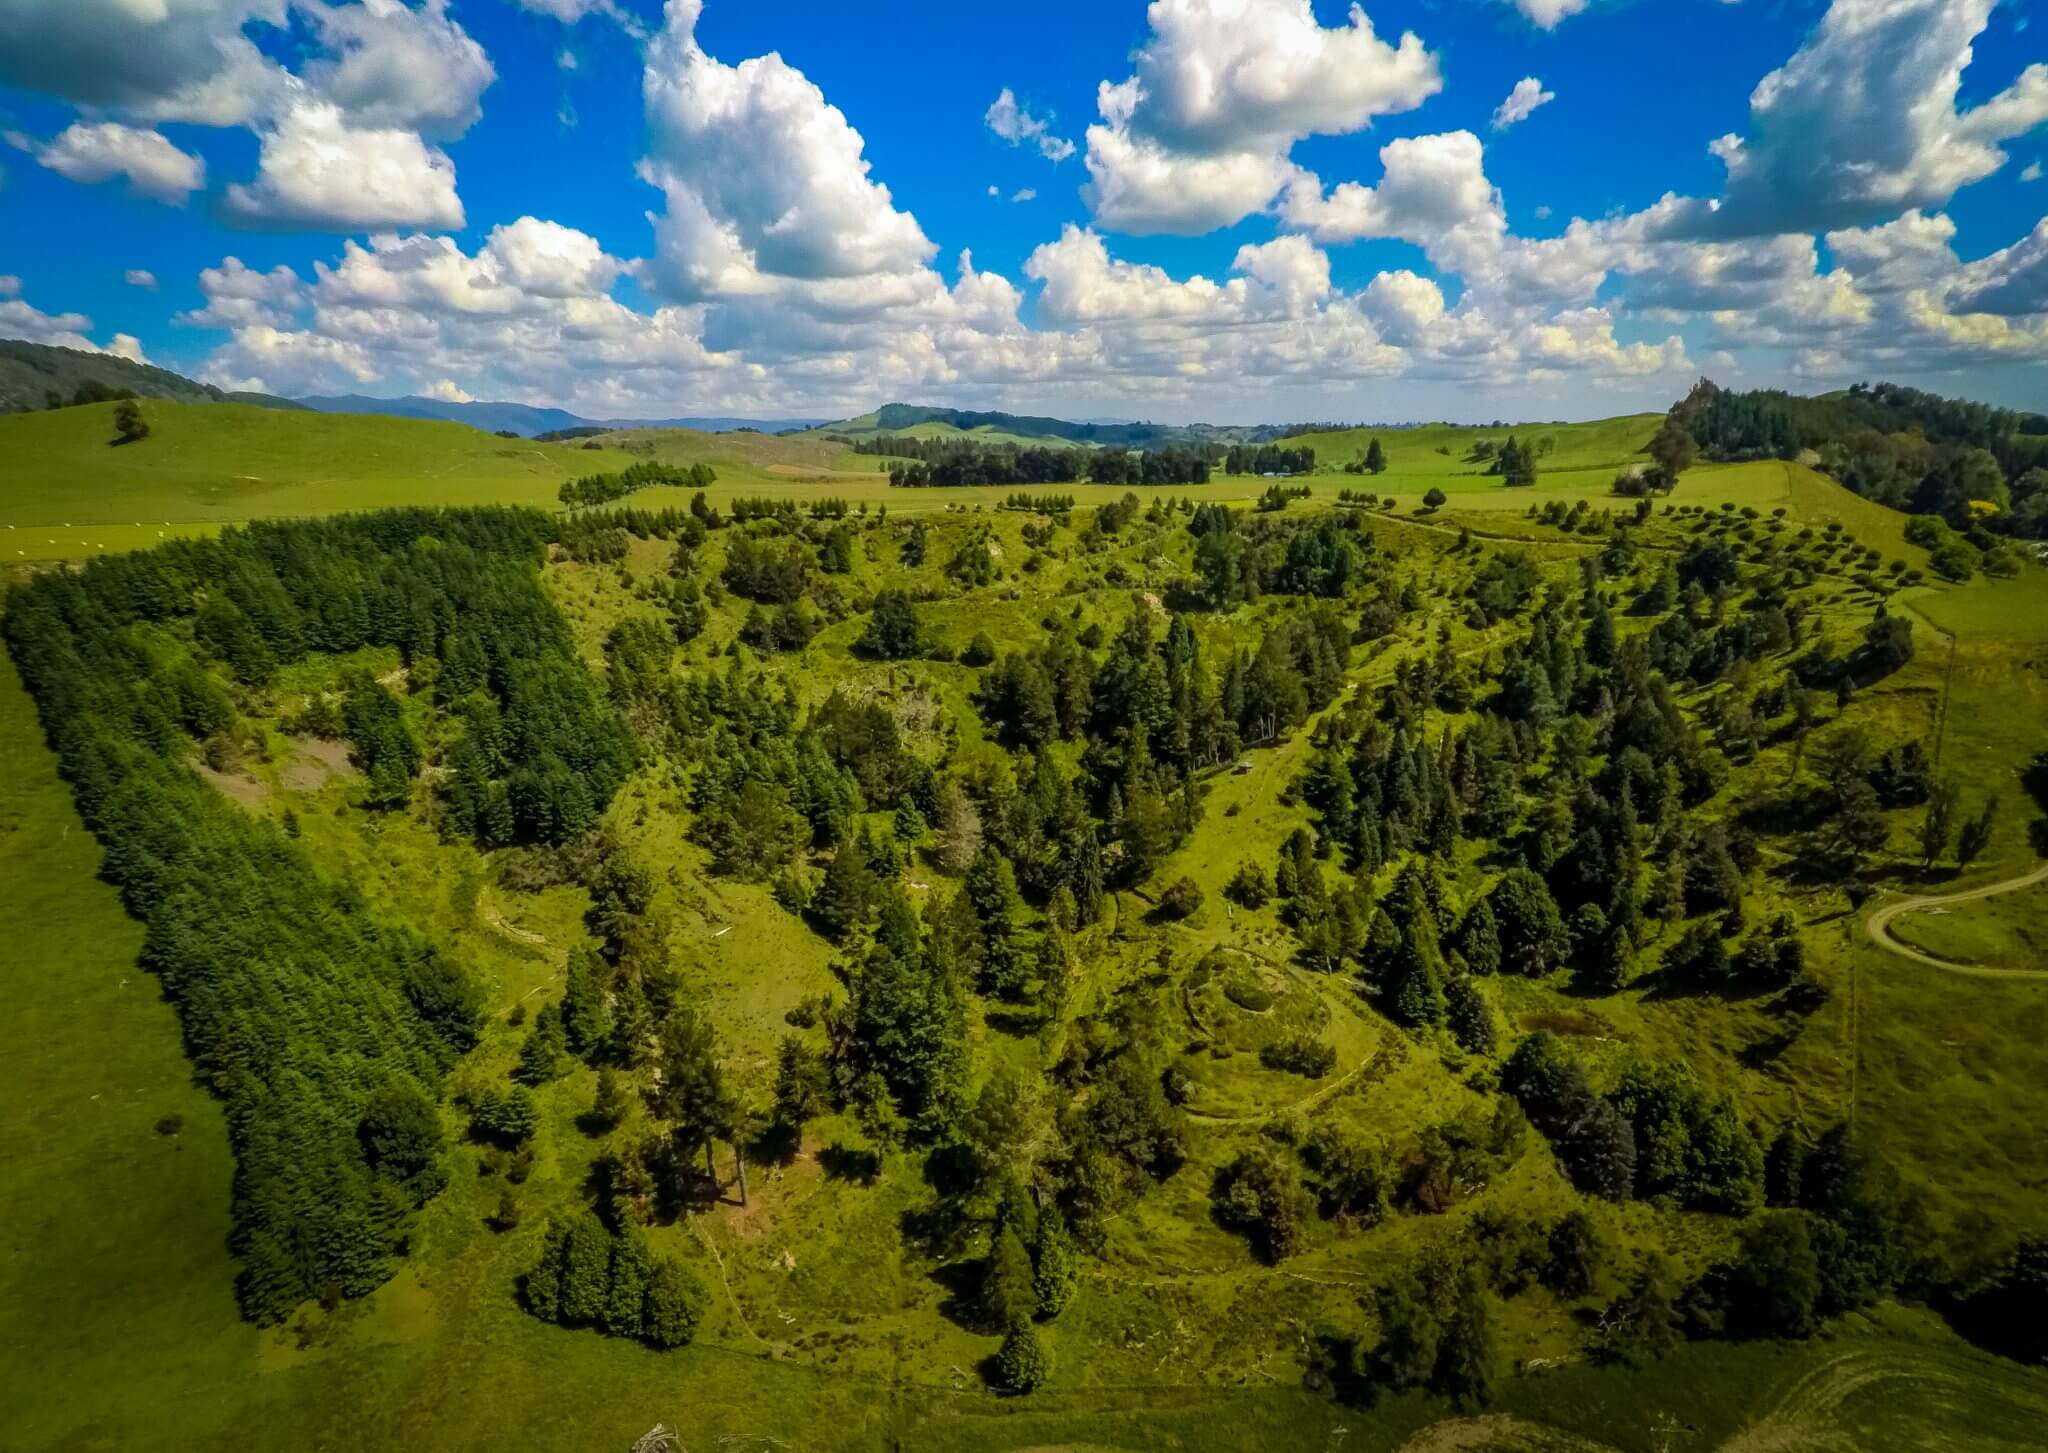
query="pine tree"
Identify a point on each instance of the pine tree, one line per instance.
(546, 1046)
(1976, 834)
(1375, 457)
(673, 1306)
(586, 1021)
(1057, 1265)
(1479, 939)
(1938, 825)
(610, 1105)
(632, 1270)
(1468, 1359)
(586, 1272)
(1008, 1296)
(544, 1283)
(1469, 1016)
(1022, 1363)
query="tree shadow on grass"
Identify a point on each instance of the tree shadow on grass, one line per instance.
(841, 1162)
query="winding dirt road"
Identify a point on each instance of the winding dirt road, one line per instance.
(1878, 925)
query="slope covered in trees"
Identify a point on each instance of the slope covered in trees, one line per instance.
(1060, 942)
(326, 1029)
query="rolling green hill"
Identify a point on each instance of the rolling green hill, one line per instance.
(222, 462)
(31, 372)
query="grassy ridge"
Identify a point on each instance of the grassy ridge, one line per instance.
(222, 462)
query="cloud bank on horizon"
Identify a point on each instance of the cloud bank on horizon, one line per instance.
(1270, 216)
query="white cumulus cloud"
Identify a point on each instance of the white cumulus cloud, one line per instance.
(140, 277)
(1198, 136)
(764, 178)
(92, 152)
(1862, 123)
(1525, 98)
(318, 171)
(392, 65)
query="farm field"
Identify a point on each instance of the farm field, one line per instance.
(826, 1322)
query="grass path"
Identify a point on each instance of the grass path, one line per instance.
(1878, 925)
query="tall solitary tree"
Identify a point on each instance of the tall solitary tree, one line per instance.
(1938, 824)
(1375, 457)
(1976, 833)
(693, 1093)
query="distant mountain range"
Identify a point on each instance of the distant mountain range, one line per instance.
(31, 374)
(1107, 433)
(528, 420)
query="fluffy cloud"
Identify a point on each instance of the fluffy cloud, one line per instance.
(764, 178)
(20, 319)
(1913, 250)
(550, 260)
(2010, 282)
(396, 67)
(1404, 304)
(170, 60)
(1429, 186)
(1547, 14)
(240, 297)
(140, 277)
(1525, 98)
(1861, 124)
(92, 152)
(344, 141)
(320, 172)
(1015, 125)
(1198, 136)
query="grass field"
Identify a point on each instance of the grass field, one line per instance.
(2009, 931)
(117, 1327)
(221, 462)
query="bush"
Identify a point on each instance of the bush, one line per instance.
(129, 425)
(1251, 888)
(1248, 994)
(1260, 1195)
(1300, 1054)
(1180, 900)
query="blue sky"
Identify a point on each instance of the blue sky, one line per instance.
(1223, 209)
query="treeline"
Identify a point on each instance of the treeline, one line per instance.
(324, 1029)
(603, 489)
(1268, 459)
(941, 463)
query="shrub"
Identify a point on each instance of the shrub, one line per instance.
(1300, 1054)
(1260, 1195)
(1180, 900)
